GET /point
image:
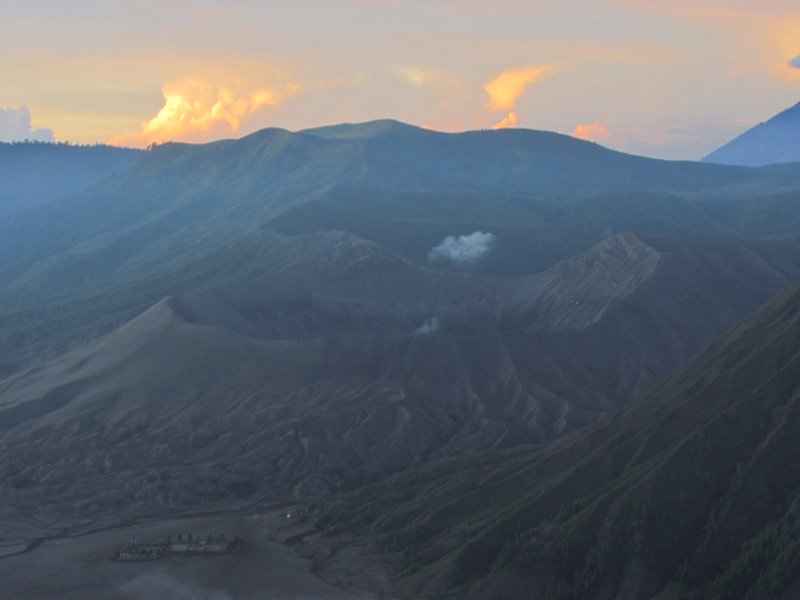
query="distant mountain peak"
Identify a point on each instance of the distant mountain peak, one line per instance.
(774, 141)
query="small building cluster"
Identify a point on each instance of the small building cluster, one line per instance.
(189, 545)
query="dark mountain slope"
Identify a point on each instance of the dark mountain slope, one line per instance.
(533, 235)
(74, 270)
(179, 197)
(35, 173)
(693, 492)
(774, 141)
(517, 161)
(310, 371)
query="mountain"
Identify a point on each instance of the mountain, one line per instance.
(421, 332)
(186, 215)
(692, 492)
(774, 141)
(37, 173)
(326, 362)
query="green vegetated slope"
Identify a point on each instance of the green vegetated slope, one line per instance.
(692, 492)
(36, 173)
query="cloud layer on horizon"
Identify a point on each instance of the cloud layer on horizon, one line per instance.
(15, 126)
(453, 66)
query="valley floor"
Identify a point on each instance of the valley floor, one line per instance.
(79, 567)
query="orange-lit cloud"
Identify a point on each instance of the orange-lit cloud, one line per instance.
(197, 110)
(510, 120)
(506, 89)
(591, 132)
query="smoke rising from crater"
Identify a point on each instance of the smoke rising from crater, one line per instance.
(463, 250)
(429, 326)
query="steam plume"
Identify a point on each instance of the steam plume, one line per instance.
(429, 326)
(463, 249)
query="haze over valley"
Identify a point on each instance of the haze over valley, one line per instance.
(257, 348)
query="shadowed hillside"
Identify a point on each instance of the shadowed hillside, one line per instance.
(185, 215)
(692, 492)
(326, 362)
(37, 173)
(774, 141)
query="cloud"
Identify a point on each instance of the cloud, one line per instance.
(447, 87)
(463, 249)
(414, 76)
(510, 120)
(15, 125)
(197, 110)
(506, 89)
(591, 132)
(429, 326)
(509, 87)
(795, 62)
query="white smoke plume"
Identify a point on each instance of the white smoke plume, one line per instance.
(463, 250)
(429, 326)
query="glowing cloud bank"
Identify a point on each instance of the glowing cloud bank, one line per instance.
(463, 249)
(506, 89)
(196, 110)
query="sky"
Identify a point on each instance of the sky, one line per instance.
(665, 78)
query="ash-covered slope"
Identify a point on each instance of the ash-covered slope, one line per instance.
(693, 492)
(774, 141)
(302, 375)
